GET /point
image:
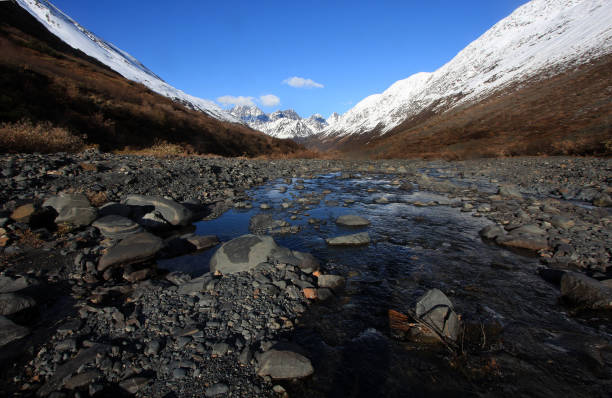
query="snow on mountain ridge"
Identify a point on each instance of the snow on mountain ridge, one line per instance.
(121, 62)
(280, 124)
(540, 35)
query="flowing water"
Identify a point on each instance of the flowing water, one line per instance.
(516, 339)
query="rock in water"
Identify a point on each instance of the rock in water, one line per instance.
(582, 290)
(243, 253)
(172, 212)
(73, 209)
(359, 239)
(133, 249)
(351, 220)
(436, 310)
(283, 365)
(10, 331)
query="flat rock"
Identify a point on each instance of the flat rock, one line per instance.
(216, 389)
(24, 213)
(529, 229)
(351, 220)
(133, 249)
(74, 209)
(334, 282)
(11, 303)
(243, 253)
(284, 365)
(117, 227)
(133, 384)
(584, 291)
(9, 331)
(562, 222)
(362, 238)
(510, 191)
(203, 242)
(436, 310)
(9, 285)
(172, 212)
(525, 242)
(82, 380)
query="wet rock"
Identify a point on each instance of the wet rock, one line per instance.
(436, 310)
(133, 249)
(242, 254)
(334, 282)
(264, 223)
(525, 242)
(284, 365)
(584, 291)
(11, 303)
(172, 212)
(351, 220)
(362, 238)
(73, 209)
(203, 242)
(216, 389)
(9, 331)
(510, 191)
(492, 232)
(117, 227)
(529, 229)
(305, 261)
(195, 285)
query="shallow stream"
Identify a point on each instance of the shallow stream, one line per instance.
(517, 339)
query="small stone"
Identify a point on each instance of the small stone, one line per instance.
(132, 385)
(135, 248)
(220, 349)
(24, 213)
(310, 293)
(172, 212)
(10, 331)
(562, 222)
(350, 220)
(216, 389)
(334, 282)
(437, 311)
(362, 238)
(284, 365)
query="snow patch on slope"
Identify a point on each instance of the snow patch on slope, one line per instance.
(118, 60)
(542, 35)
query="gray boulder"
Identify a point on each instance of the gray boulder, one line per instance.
(133, 249)
(350, 220)
(582, 290)
(436, 310)
(243, 253)
(11, 303)
(73, 209)
(334, 282)
(172, 212)
(9, 285)
(117, 227)
(284, 365)
(362, 238)
(9, 331)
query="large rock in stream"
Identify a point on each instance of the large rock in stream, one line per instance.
(243, 253)
(284, 365)
(351, 220)
(436, 310)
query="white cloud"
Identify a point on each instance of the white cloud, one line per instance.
(300, 82)
(269, 100)
(231, 100)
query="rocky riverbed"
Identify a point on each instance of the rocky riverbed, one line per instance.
(88, 308)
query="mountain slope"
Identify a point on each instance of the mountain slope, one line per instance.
(80, 38)
(280, 124)
(43, 79)
(539, 41)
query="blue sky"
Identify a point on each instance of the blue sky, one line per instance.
(341, 51)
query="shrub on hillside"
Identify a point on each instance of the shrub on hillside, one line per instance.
(43, 137)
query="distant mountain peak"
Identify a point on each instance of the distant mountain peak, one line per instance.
(280, 124)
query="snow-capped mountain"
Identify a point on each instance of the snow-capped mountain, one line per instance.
(280, 124)
(538, 40)
(121, 62)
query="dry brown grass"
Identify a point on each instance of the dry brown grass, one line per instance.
(160, 149)
(43, 137)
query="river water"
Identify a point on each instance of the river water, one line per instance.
(516, 340)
